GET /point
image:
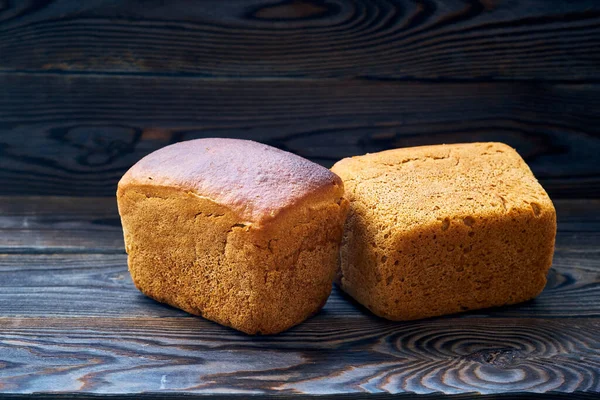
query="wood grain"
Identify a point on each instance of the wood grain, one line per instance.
(54, 225)
(287, 396)
(73, 324)
(83, 132)
(331, 356)
(431, 39)
(60, 225)
(99, 285)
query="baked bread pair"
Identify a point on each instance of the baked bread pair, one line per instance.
(249, 236)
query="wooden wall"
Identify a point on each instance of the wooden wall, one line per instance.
(90, 87)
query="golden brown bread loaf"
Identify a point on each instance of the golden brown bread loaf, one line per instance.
(441, 229)
(239, 232)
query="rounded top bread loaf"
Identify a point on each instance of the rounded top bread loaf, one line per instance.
(235, 231)
(240, 174)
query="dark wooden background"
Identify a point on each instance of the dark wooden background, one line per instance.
(88, 88)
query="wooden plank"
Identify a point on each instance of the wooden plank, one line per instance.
(530, 39)
(70, 285)
(184, 355)
(84, 131)
(90, 282)
(60, 225)
(92, 225)
(99, 285)
(74, 325)
(352, 396)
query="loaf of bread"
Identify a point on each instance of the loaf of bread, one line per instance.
(238, 232)
(442, 229)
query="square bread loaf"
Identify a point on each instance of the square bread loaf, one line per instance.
(442, 229)
(235, 231)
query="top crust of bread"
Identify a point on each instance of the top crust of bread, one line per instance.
(420, 185)
(253, 180)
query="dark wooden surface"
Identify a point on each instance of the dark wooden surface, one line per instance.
(90, 87)
(429, 39)
(71, 322)
(77, 135)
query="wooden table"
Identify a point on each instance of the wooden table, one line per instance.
(72, 323)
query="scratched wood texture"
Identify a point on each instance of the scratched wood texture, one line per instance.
(429, 39)
(77, 135)
(90, 87)
(72, 324)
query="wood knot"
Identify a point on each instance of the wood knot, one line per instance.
(495, 357)
(292, 10)
(95, 146)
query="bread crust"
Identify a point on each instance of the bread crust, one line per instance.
(224, 240)
(255, 181)
(441, 229)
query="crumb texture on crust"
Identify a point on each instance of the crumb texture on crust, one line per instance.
(193, 217)
(254, 180)
(435, 230)
(195, 255)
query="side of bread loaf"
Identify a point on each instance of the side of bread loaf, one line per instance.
(442, 229)
(238, 251)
